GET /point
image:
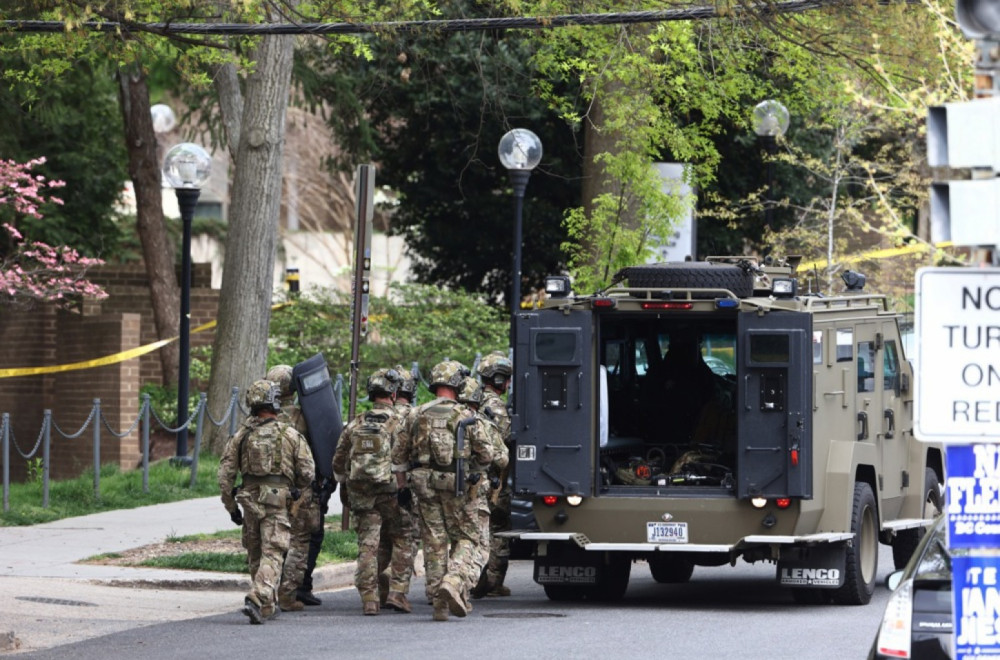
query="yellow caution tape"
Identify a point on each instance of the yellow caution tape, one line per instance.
(115, 358)
(877, 254)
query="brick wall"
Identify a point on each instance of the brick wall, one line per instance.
(46, 336)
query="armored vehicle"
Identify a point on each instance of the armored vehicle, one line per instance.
(701, 412)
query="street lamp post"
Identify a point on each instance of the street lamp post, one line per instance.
(186, 167)
(520, 152)
(770, 121)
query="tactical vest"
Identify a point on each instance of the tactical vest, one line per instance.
(371, 449)
(260, 454)
(435, 434)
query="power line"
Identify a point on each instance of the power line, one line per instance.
(443, 25)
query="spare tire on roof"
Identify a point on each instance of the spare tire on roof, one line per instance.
(690, 275)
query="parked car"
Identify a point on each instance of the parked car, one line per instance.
(917, 623)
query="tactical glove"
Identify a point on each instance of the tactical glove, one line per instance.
(236, 516)
(404, 496)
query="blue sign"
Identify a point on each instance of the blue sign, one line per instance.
(976, 604)
(973, 496)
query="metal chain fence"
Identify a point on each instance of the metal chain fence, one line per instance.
(143, 420)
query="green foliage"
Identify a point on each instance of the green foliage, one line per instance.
(118, 490)
(163, 401)
(417, 323)
(225, 562)
(35, 470)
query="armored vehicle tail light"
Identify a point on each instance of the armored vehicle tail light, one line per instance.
(604, 303)
(667, 305)
(574, 500)
(758, 502)
(550, 500)
(783, 502)
(894, 633)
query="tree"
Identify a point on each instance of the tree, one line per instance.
(32, 271)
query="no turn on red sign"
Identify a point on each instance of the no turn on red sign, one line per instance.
(957, 393)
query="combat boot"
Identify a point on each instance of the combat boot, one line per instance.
(369, 606)
(398, 601)
(252, 610)
(307, 598)
(291, 605)
(383, 587)
(452, 596)
(499, 590)
(440, 609)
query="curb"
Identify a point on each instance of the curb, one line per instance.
(325, 578)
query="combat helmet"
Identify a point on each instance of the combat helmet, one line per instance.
(470, 391)
(383, 382)
(263, 395)
(281, 375)
(449, 373)
(495, 369)
(408, 385)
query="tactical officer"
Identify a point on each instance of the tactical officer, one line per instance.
(306, 515)
(363, 462)
(447, 474)
(470, 393)
(276, 466)
(495, 371)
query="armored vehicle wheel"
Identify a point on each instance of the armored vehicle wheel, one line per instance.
(692, 275)
(905, 542)
(670, 569)
(861, 557)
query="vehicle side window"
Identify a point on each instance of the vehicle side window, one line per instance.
(890, 366)
(866, 366)
(817, 347)
(845, 344)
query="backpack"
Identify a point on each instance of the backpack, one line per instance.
(435, 430)
(371, 449)
(263, 445)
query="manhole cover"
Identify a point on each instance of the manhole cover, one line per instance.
(55, 601)
(522, 615)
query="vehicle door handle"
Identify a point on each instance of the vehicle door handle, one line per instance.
(863, 418)
(890, 417)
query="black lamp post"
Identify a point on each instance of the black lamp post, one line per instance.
(770, 121)
(186, 167)
(520, 152)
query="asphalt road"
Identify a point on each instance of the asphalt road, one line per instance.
(722, 613)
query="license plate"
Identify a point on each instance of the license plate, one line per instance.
(666, 532)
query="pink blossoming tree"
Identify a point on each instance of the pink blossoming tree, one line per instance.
(32, 271)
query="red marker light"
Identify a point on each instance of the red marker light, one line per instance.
(550, 500)
(783, 502)
(603, 303)
(667, 305)
(795, 457)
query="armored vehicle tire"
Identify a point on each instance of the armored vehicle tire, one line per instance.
(692, 275)
(861, 557)
(906, 541)
(668, 569)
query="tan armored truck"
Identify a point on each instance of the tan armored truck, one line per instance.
(698, 413)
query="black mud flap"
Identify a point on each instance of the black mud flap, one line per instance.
(564, 565)
(821, 566)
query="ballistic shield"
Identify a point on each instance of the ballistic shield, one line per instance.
(311, 381)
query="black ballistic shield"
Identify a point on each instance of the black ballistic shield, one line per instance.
(311, 381)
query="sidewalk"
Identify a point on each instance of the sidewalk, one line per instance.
(47, 599)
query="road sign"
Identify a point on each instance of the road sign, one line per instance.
(957, 393)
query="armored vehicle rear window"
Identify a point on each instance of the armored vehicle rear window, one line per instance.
(555, 347)
(767, 348)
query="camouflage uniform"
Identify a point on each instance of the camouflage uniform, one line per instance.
(425, 448)
(305, 516)
(494, 408)
(472, 394)
(363, 462)
(274, 460)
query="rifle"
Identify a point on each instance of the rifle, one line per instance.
(460, 476)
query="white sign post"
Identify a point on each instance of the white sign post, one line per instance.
(957, 394)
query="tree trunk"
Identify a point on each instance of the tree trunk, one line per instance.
(157, 250)
(239, 354)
